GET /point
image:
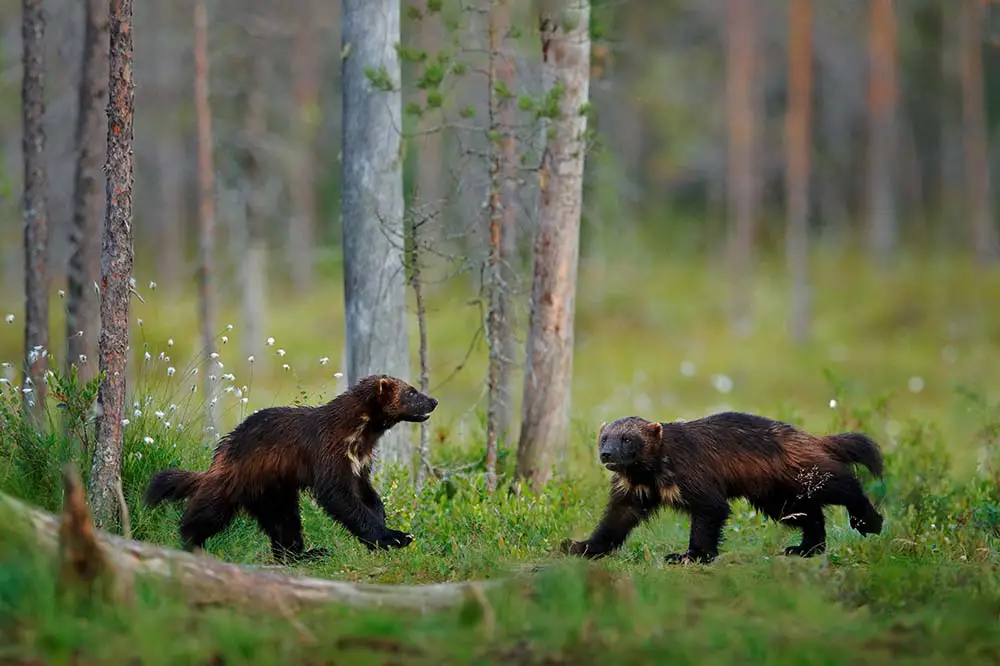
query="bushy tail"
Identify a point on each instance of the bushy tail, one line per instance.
(855, 447)
(171, 485)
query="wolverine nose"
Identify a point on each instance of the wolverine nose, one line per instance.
(434, 403)
(605, 456)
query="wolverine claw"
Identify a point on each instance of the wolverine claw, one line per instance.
(689, 558)
(581, 548)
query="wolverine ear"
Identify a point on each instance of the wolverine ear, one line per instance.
(655, 429)
(600, 431)
(383, 384)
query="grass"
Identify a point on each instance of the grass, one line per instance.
(904, 354)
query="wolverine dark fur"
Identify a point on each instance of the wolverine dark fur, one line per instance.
(267, 459)
(698, 466)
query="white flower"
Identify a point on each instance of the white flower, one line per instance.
(324, 360)
(27, 389)
(125, 422)
(833, 403)
(62, 292)
(214, 355)
(172, 407)
(159, 414)
(229, 376)
(281, 352)
(138, 454)
(170, 342)
(250, 359)
(137, 413)
(916, 384)
(285, 366)
(238, 393)
(147, 356)
(147, 439)
(722, 383)
(139, 321)
(229, 327)
(269, 342)
(687, 368)
(152, 285)
(244, 400)
(9, 319)
(338, 375)
(83, 358)
(225, 339)
(170, 371)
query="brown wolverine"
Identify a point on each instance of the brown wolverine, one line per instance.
(268, 458)
(698, 466)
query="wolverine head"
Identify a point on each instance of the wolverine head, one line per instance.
(626, 441)
(397, 400)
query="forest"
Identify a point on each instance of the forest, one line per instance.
(548, 215)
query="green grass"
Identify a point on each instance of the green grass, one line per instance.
(906, 354)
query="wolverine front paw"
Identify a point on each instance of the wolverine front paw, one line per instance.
(689, 557)
(869, 525)
(805, 551)
(392, 539)
(581, 549)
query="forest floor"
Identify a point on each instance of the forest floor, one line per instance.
(907, 354)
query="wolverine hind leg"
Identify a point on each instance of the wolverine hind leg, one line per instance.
(277, 513)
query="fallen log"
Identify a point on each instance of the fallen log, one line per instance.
(88, 555)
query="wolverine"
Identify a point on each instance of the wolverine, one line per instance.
(262, 465)
(697, 467)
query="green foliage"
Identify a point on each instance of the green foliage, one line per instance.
(379, 78)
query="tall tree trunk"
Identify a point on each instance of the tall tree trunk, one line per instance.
(565, 33)
(502, 217)
(302, 226)
(882, 129)
(206, 213)
(168, 222)
(83, 309)
(255, 262)
(372, 203)
(742, 181)
(35, 210)
(976, 136)
(798, 145)
(116, 272)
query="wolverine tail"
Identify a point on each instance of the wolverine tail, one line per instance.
(855, 447)
(171, 485)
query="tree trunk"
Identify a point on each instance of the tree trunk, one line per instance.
(206, 215)
(430, 189)
(372, 203)
(83, 316)
(168, 222)
(882, 129)
(116, 271)
(742, 181)
(302, 225)
(502, 218)
(35, 210)
(798, 145)
(976, 136)
(565, 33)
(254, 263)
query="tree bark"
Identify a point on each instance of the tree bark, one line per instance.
(116, 270)
(168, 222)
(35, 210)
(502, 217)
(742, 189)
(206, 214)
(83, 316)
(565, 34)
(372, 203)
(798, 144)
(94, 556)
(302, 225)
(976, 136)
(882, 129)
(430, 188)
(254, 262)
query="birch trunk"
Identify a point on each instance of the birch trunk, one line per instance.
(372, 203)
(882, 128)
(83, 316)
(35, 210)
(116, 271)
(565, 34)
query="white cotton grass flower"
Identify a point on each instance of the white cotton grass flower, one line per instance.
(269, 342)
(324, 360)
(338, 375)
(250, 359)
(833, 403)
(722, 383)
(214, 355)
(152, 285)
(281, 352)
(916, 384)
(148, 439)
(147, 356)
(170, 371)
(285, 366)
(229, 327)
(225, 339)
(170, 342)
(688, 368)
(9, 318)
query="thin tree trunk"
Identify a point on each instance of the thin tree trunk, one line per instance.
(377, 338)
(206, 213)
(83, 309)
(35, 210)
(742, 180)
(116, 272)
(429, 176)
(168, 221)
(302, 225)
(416, 281)
(565, 34)
(976, 136)
(798, 145)
(501, 220)
(254, 263)
(883, 128)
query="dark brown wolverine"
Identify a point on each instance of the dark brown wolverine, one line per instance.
(274, 453)
(698, 466)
